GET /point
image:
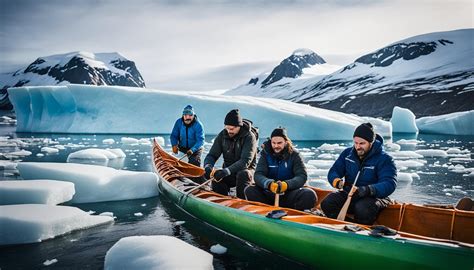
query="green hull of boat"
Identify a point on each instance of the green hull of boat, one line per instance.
(323, 248)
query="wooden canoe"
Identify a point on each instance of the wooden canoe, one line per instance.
(427, 237)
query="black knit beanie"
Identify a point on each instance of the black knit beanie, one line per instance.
(279, 132)
(233, 118)
(366, 132)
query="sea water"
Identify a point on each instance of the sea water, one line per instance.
(86, 249)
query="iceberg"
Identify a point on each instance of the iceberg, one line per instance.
(459, 123)
(403, 121)
(35, 192)
(94, 183)
(32, 223)
(126, 110)
(156, 252)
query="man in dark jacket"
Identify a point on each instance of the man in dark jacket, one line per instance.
(188, 136)
(238, 146)
(281, 169)
(377, 177)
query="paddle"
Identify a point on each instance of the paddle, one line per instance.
(277, 199)
(181, 158)
(345, 207)
(197, 187)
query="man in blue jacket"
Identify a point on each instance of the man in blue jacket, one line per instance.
(281, 170)
(377, 178)
(188, 136)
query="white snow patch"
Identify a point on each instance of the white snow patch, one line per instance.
(156, 252)
(35, 192)
(218, 249)
(94, 183)
(32, 223)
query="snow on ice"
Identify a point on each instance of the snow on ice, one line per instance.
(32, 223)
(35, 191)
(94, 183)
(156, 252)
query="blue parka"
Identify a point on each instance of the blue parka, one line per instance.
(377, 169)
(188, 137)
(289, 168)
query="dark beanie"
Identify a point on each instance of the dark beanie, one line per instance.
(233, 118)
(365, 131)
(279, 132)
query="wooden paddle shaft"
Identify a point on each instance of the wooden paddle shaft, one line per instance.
(345, 207)
(277, 200)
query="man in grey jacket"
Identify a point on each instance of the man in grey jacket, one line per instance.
(238, 146)
(281, 170)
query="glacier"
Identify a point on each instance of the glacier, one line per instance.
(127, 110)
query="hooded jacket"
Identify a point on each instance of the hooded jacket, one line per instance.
(288, 167)
(188, 136)
(377, 169)
(239, 152)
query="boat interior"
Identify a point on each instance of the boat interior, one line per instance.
(440, 223)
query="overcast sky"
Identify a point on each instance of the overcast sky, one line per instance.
(169, 39)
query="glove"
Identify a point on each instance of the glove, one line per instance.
(219, 174)
(364, 191)
(189, 153)
(175, 149)
(208, 171)
(278, 187)
(338, 183)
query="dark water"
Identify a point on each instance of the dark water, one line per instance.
(86, 249)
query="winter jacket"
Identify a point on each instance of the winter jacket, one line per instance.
(188, 137)
(239, 152)
(285, 166)
(377, 169)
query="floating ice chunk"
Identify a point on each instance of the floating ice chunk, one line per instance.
(321, 163)
(409, 163)
(404, 177)
(392, 147)
(156, 252)
(327, 156)
(453, 151)
(94, 183)
(17, 154)
(108, 141)
(144, 141)
(49, 262)
(432, 153)
(405, 155)
(409, 142)
(218, 249)
(403, 121)
(460, 160)
(7, 165)
(458, 123)
(139, 214)
(49, 150)
(35, 191)
(179, 222)
(117, 152)
(32, 223)
(331, 147)
(92, 153)
(317, 172)
(128, 140)
(470, 175)
(161, 141)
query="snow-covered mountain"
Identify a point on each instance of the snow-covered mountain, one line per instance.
(293, 70)
(429, 74)
(75, 67)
